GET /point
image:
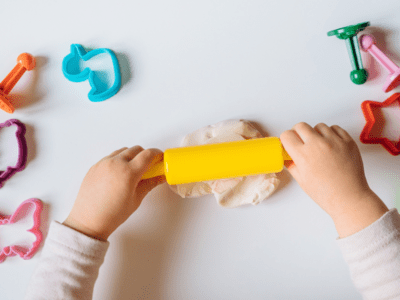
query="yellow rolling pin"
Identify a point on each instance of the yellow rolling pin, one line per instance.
(222, 160)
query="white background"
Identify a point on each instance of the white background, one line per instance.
(187, 64)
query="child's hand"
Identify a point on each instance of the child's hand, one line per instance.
(327, 165)
(112, 190)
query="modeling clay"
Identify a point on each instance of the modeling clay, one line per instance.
(349, 33)
(72, 72)
(372, 119)
(367, 43)
(230, 192)
(25, 61)
(22, 154)
(20, 250)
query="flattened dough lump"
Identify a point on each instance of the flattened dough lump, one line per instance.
(231, 192)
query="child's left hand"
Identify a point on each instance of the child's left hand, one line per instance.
(112, 190)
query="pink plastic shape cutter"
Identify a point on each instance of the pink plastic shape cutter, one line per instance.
(15, 249)
(22, 153)
(367, 43)
(368, 107)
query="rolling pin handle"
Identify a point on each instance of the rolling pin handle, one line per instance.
(154, 171)
(285, 155)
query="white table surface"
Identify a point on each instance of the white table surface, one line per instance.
(187, 64)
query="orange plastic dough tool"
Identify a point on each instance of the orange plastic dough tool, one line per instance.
(222, 160)
(25, 62)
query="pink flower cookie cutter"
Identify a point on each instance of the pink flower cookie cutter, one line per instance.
(23, 252)
(23, 151)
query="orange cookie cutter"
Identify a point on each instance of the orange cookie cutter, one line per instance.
(25, 62)
(368, 107)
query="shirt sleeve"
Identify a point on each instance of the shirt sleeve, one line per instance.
(68, 267)
(373, 256)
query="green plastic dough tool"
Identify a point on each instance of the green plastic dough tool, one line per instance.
(349, 33)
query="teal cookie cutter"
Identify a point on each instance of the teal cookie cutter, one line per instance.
(71, 70)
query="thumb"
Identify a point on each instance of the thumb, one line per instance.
(146, 185)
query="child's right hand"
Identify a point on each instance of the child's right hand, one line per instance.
(327, 165)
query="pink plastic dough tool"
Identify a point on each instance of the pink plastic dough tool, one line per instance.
(367, 44)
(20, 250)
(22, 154)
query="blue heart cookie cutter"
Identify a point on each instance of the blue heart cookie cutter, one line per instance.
(71, 70)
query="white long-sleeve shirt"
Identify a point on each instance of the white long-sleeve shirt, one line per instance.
(68, 267)
(70, 262)
(373, 256)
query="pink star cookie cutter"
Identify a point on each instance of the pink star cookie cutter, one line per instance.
(393, 147)
(23, 151)
(23, 252)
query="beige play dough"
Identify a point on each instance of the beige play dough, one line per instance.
(231, 192)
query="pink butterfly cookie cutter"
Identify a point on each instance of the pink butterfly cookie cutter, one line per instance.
(23, 252)
(23, 151)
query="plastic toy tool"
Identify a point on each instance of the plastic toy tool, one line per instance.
(373, 118)
(22, 152)
(359, 75)
(72, 71)
(367, 43)
(222, 160)
(25, 62)
(22, 251)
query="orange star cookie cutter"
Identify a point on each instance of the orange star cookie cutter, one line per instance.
(368, 107)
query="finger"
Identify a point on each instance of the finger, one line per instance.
(305, 131)
(116, 152)
(325, 131)
(145, 160)
(290, 138)
(146, 185)
(291, 142)
(130, 153)
(341, 132)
